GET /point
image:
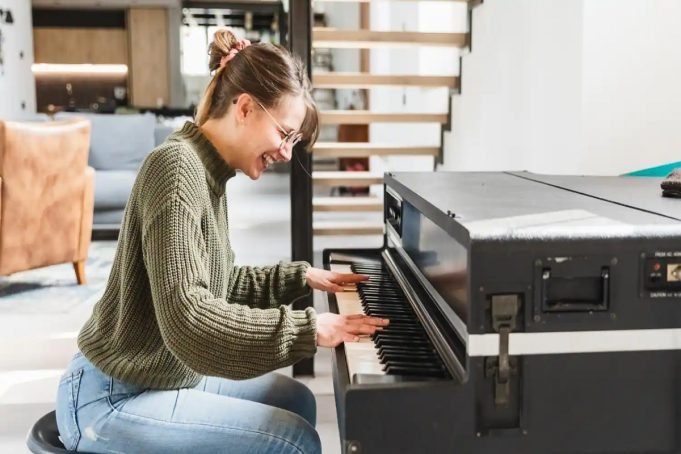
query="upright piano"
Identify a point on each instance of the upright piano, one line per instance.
(529, 314)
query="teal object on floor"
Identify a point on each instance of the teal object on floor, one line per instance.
(659, 171)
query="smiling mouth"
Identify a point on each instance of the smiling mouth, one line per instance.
(267, 159)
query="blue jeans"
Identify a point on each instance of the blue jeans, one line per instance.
(268, 414)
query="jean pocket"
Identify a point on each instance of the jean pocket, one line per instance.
(67, 405)
(121, 392)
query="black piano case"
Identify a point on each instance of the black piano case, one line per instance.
(555, 304)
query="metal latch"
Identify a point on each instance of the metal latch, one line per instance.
(505, 310)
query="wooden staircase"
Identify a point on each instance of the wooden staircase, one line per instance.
(324, 37)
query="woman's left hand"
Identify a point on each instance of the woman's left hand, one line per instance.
(330, 281)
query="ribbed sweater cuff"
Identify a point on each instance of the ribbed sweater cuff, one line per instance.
(294, 277)
(305, 333)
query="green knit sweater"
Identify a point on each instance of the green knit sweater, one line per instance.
(175, 306)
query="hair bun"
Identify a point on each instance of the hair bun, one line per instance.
(224, 40)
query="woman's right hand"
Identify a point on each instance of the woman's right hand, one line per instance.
(332, 329)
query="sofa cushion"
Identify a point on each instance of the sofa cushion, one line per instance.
(161, 133)
(108, 219)
(112, 188)
(119, 141)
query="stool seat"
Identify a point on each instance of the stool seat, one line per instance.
(44, 436)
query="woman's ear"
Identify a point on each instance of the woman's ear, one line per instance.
(244, 107)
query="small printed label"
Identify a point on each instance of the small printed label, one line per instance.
(667, 254)
(665, 295)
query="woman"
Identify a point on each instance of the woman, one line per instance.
(176, 355)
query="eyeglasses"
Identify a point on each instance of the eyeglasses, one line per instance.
(290, 138)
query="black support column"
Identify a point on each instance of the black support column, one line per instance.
(300, 44)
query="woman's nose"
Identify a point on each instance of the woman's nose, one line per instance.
(286, 151)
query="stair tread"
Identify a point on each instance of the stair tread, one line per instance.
(365, 117)
(365, 149)
(349, 223)
(347, 204)
(347, 228)
(327, 145)
(359, 174)
(326, 37)
(357, 179)
(361, 80)
(369, 1)
(347, 200)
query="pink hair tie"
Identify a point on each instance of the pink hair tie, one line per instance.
(239, 46)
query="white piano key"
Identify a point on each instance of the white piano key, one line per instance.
(362, 356)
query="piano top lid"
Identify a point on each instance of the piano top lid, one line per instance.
(522, 205)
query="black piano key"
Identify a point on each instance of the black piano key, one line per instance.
(389, 306)
(376, 264)
(368, 269)
(387, 313)
(402, 330)
(398, 343)
(385, 299)
(390, 349)
(397, 311)
(390, 315)
(378, 336)
(410, 324)
(381, 293)
(379, 277)
(428, 372)
(421, 359)
(390, 310)
(407, 337)
(376, 276)
(404, 343)
(375, 281)
(415, 365)
(378, 283)
(387, 302)
(425, 361)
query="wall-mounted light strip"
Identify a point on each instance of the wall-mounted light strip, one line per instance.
(49, 68)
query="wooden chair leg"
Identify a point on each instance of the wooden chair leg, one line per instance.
(79, 267)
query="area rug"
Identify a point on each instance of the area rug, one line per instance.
(53, 289)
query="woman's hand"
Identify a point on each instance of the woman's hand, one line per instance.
(332, 329)
(330, 281)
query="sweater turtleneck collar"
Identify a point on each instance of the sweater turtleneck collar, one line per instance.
(218, 170)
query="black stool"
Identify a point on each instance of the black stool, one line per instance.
(44, 436)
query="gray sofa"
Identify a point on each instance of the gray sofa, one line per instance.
(118, 145)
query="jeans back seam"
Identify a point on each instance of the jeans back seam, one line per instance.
(74, 388)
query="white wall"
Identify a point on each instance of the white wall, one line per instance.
(412, 16)
(632, 89)
(17, 86)
(578, 87)
(520, 86)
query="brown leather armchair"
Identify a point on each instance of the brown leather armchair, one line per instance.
(46, 195)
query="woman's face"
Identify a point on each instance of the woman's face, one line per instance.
(269, 134)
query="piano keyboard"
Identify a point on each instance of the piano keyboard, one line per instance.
(402, 349)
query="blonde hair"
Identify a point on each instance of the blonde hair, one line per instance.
(264, 71)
